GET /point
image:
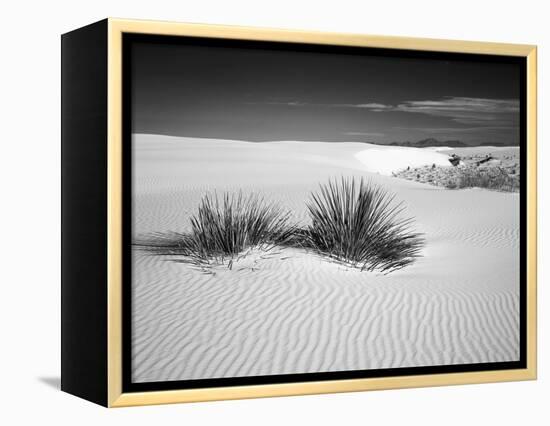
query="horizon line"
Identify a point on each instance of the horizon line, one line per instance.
(469, 145)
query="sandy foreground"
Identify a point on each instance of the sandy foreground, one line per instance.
(294, 312)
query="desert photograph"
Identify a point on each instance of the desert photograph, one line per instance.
(301, 212)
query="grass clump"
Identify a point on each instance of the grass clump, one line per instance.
(223, 228)
(358, 223)
(351, 221)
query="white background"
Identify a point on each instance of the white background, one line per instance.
(30, 199)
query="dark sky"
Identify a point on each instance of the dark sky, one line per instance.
(263, 95)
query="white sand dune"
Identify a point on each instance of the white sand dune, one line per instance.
(294, 312)
(385, 160)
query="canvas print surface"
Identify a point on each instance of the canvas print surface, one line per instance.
(302, 212)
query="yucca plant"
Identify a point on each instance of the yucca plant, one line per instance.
(223, 228)
(358, 223)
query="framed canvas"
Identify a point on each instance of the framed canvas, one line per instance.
(255, 212)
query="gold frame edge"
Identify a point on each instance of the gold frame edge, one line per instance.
(116, 27)
(114, 214)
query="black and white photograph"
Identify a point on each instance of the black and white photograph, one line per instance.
(275, 213)
(301, 211)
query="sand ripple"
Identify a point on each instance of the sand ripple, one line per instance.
(304, 314)
(296, 312)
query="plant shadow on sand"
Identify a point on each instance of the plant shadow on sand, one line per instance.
(353, 222)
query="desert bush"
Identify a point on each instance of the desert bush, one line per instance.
(494, 178)
(224, 227)
(358, 223)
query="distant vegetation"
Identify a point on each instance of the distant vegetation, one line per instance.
(352, 222)
(477, 170)
(495, 178)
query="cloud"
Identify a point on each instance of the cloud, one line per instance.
(373, 106)
(370, 106)
(472, 111)
(372, 134)
(459, 129)
(463, 110)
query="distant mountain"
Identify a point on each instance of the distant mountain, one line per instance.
(431, 142)
(495, 144)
